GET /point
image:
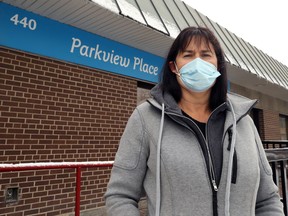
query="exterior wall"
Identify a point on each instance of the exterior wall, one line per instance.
(56, 111)
(270, 108)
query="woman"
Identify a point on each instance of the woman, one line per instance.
(193, 149)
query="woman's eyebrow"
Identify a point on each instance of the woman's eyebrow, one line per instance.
(206, 50)
(188, 51)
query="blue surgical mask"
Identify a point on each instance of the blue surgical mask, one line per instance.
(198, 75)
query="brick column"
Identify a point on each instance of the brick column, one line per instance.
(271, 127)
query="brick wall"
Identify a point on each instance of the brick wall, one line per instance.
(271, 129)
(57, 111)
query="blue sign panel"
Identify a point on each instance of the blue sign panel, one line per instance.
(27, 31)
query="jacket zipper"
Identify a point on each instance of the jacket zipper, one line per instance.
(211, 169)
(210, 166)
(212, 174)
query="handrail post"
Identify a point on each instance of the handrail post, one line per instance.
(275, 172)
(284, 184)
(78, 191)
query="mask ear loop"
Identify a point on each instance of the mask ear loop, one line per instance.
(177, 70)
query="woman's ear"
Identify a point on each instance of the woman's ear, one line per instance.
(173, 67)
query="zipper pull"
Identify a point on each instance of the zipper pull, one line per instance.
(214, 185)
(230, 134)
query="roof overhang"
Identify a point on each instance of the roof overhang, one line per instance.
(106, 22)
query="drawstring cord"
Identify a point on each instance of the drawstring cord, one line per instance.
(158, 171)
(230, 162)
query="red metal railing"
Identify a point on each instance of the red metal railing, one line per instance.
(59, 165)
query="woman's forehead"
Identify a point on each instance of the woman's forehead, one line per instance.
(198, 43)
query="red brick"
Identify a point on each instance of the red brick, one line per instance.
(271, 127)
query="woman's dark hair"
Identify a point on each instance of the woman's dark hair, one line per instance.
(168, 80)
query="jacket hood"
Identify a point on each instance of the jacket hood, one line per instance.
(241, 104)
(165, 98)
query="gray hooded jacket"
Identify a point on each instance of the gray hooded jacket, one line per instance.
(162, 156)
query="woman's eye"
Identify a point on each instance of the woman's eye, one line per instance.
(207, 55)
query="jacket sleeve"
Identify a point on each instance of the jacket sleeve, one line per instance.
(125, 187)
(268, 200)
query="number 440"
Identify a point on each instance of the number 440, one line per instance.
(25, 22)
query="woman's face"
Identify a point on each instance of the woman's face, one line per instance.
(193, 51)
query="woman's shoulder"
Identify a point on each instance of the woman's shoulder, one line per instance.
(148, 108)
(237, 98)
(147, 104)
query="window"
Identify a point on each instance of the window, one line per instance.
(283, 127)
(257, 116)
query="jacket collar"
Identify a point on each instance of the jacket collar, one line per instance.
(241, 104)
